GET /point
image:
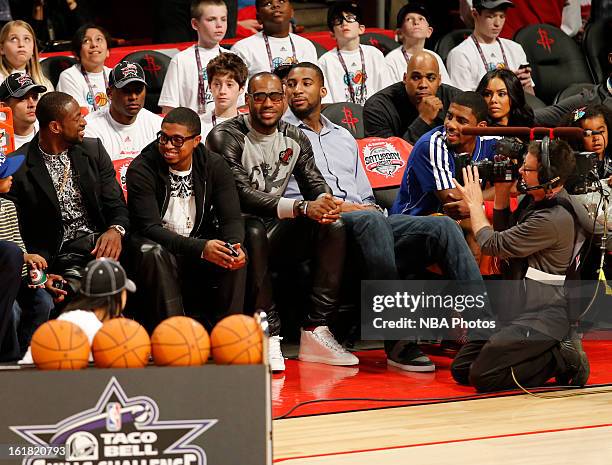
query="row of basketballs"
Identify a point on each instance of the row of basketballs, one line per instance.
(124, 343)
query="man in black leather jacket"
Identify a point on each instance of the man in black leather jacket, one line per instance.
(185, 210)
(263, 152)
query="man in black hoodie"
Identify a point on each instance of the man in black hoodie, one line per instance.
(187, 226)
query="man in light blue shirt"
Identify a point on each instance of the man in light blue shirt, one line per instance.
(379, 239)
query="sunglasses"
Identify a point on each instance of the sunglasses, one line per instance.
(260, 97)
(337, 21)
(176, 141)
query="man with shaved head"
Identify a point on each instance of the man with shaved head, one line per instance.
(263, 153)
(410, 108)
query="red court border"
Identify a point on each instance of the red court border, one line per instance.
(526, 433)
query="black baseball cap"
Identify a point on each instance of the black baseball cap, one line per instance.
(492, 4)
(337, 9)
(105, 277)
(412, 7)
(125, 72)
(19, 84)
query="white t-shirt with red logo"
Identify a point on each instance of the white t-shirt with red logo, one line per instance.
(377, 73)
(72, 82)
(123, 142)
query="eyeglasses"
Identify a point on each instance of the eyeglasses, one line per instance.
(340, 19)
(176, 141)
(260, 97)
(527, 170)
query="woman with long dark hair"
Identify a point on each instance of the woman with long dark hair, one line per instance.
(505, 97)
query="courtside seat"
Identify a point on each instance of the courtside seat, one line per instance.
(52, 67)
(155, 66)
(348, 115)
(382, 42)
(384, 162)
(534, 102)
(556, 61)
(596, 45)
(450, 41)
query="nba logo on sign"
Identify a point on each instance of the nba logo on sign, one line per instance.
(113, 416)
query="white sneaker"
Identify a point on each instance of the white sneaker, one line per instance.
(275, 355)
(320, 346)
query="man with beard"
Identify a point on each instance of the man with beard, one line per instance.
(375, 242)
(71, 209)
(427, 183)
(263, 152)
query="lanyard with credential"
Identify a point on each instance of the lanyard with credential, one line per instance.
(202, 88)
(269, 50)
(91, 91)
(348, 76)
(484, 60)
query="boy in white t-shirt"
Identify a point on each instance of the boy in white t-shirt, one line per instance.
(20, 93)
(413, 29)
(126, 128)
(87, 81)
(275, 45)
(484, 50)
(227, 74)
(186, 83)
(353, 72)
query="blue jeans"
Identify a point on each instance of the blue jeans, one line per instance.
(373, 236)
(423, 240)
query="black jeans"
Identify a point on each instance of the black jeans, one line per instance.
(274, 243)
(487, 365)
(169, 285)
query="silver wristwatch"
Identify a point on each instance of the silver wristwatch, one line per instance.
(117, 227)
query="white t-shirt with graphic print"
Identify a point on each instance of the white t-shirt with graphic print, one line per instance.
(377, 74)
(181, 212)
(467, 68)
(121, 140)
(72, 82)
(180, 88)
(254, 52)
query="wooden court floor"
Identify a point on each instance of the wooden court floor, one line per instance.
(512, 430)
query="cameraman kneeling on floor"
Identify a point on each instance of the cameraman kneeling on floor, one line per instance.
(536, 243)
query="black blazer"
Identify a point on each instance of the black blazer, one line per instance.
(40, 219)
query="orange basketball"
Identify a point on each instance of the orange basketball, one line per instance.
(237, 339)
(121, 343)
(180, 341)
(60, 345)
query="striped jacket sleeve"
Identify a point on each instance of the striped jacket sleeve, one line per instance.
(433, 165)
(9, 224)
